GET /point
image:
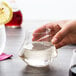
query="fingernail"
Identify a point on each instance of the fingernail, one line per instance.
(54, 40)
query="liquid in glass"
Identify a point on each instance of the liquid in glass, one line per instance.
(39, 54)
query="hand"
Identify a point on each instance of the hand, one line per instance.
(62, 33)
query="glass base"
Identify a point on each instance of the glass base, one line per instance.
(37, 64)
(13, 26)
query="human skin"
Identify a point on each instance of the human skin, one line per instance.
(62, 32)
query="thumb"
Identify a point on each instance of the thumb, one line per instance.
(60, 35)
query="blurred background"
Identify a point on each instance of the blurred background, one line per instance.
(47, 9)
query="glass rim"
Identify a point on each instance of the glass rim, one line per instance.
(44, 32)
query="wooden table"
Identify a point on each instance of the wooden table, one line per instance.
(16, 67)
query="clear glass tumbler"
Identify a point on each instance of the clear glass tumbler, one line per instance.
(37, 53)
(72, 70)
(2, 38)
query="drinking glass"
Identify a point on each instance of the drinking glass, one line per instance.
(37, 53)
(17, 15)
(2, 38)
(72, 70)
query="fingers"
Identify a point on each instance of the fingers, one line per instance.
(40, 32)
(55, 30)
(68, 28)
(64, 42)
(60, 35)
(37, 36)
(46, 38)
